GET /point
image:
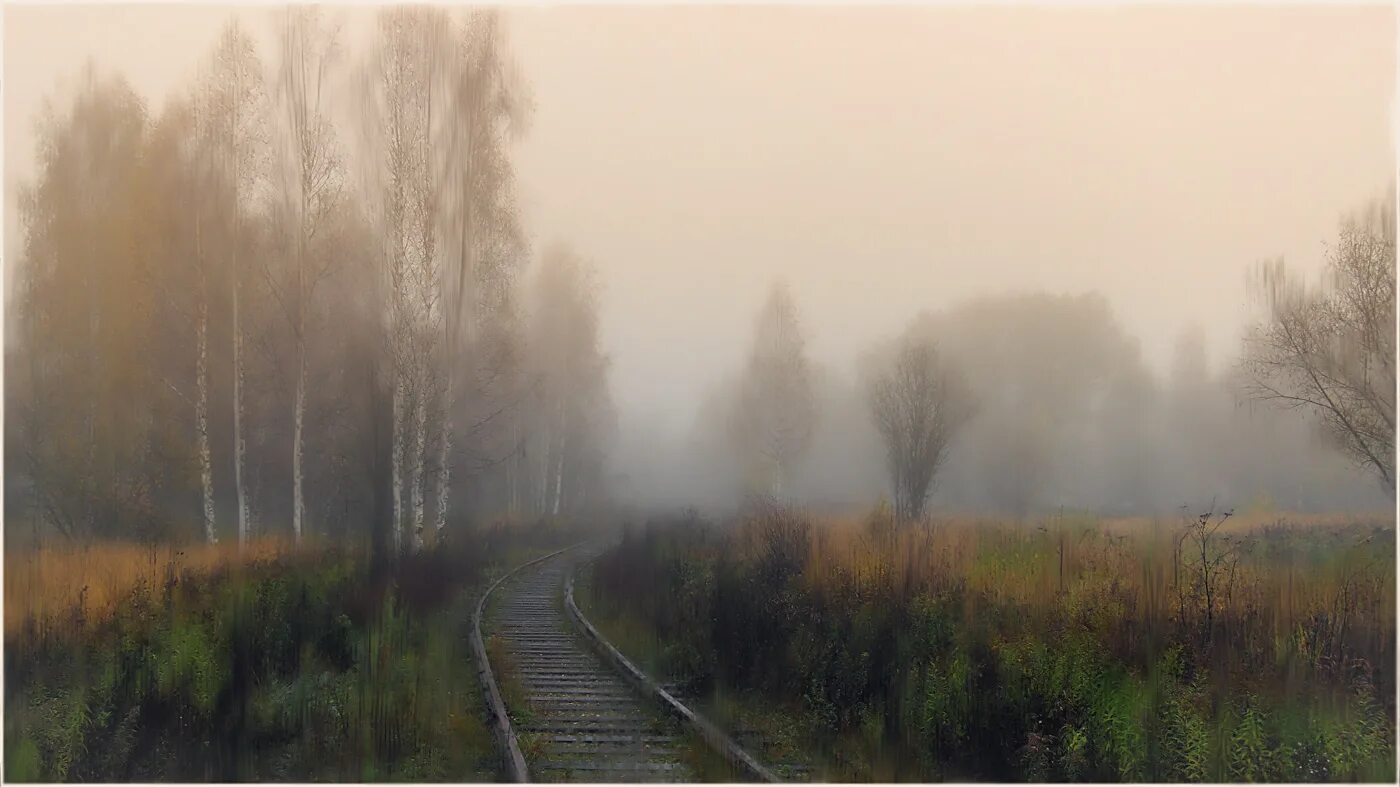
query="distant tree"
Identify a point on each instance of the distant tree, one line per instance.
(918, 403)
(775, 411)
(569, 414)
(1190, 369)
(1331, 350)
(1040, 367)
(1019, 465)
(489, 412)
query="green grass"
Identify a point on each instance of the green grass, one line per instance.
(283, 671)
(970, 654)
(779, 744)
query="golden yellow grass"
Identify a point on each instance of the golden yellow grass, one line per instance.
(1118, 569)
(85, 582)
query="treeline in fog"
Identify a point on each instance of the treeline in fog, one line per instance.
(1026, 403)
(298, 300)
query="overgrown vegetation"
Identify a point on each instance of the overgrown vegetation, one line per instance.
(67, 584)
(294, 305)
(1071, 649)
(299, 665)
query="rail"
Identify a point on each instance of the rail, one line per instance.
(515, 767)
(711, 734)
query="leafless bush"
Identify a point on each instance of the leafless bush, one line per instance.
(918, 403)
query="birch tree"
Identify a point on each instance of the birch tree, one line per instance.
(488, 109)
(311, 191)
(442, 108)
(225, 105)
(235, 105)
(200, 165)
(401, 90)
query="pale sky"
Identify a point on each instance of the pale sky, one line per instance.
(883, 160)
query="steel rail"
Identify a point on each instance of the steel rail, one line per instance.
(515, 767)
(711, 734)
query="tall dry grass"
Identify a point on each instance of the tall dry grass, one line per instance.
(1321, 587)
(1056, 649)
(82, 584)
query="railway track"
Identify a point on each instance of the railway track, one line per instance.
(568, 706)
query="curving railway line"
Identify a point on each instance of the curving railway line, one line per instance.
(567, 706)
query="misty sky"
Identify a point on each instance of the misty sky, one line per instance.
(883, 160)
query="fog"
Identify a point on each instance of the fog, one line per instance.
(889, 163)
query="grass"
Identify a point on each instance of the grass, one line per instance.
(56, 585)
(1064, 649)
(776, 747)
(273, 665)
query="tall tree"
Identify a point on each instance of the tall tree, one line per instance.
(311, 192)
(197, 164)
(403, 100)
(1331, 350)
(488, 108)
(95, 416)
(443, 105)
(234, 100)
(776, 408)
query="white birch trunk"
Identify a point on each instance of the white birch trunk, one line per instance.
(444, 475)
(420, 448)
(559, 460)
(239, 447)
(513, 472)
(398, 455)
(558, 480)
(299, 411)
(298, 422)
(538, 476)
(201, 410)
(546, 459)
